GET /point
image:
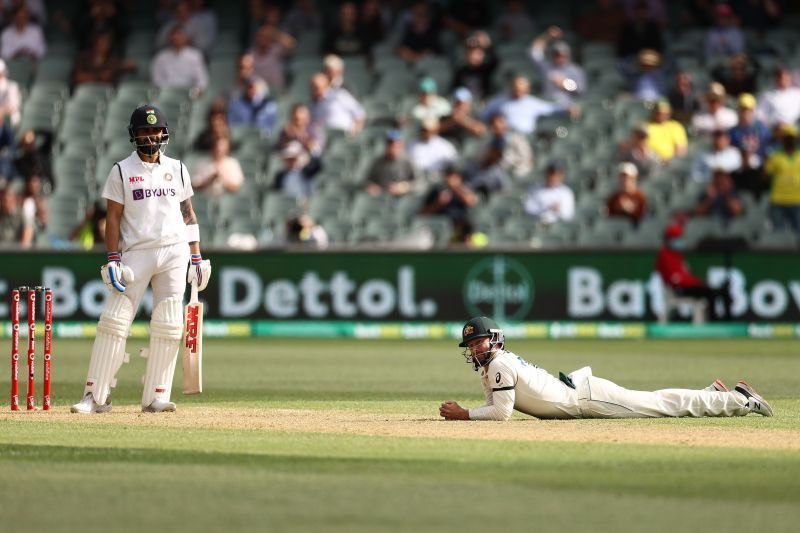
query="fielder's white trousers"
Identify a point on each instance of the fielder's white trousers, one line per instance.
(601, 398)
(164, 268)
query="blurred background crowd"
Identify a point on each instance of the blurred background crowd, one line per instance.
(400, 123)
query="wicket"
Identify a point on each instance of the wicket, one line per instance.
(48, 346)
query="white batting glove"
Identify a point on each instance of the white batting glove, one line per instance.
(199, 271)
(116, 275)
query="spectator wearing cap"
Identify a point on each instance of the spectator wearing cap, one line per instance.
(716, 115)
(750, 135)
(636, 151)
(461, 124)
(683, 98)
(254, 108)
(430, 151)
(296, 178)
(420, 33)
(516, 156)
(648, 82)
(269, 53)
(452, 198)
(781, 104)
(22, 38)
(15, 228)
(564, 80)
(720, 199)
(334, 109)
(179, 65)
(783, 167)
(520, 108)
(429, 103)
(392, 173)
(299, 128)
(220, 173)
(552, 201)
(721, 156)
(628, 201)
(666, 136)
(476, 72)
(10, 99)
(724, 39)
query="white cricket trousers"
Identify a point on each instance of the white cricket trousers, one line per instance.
(165, 268)
(601, 398)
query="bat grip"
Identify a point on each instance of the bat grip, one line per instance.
(193, 297)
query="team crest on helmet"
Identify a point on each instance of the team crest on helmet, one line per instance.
(151, 117)
(468, 329)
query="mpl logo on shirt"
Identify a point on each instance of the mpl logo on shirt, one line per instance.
(499, 287)
(141, 194)
(136, 179)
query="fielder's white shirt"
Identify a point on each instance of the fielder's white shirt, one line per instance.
(152, 194)
(510, 382)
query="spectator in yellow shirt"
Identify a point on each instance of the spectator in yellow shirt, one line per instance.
(666, 136)
(783, 167)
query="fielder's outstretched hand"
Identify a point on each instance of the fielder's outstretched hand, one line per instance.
(450, 410)
(116, 275)
(199, 271)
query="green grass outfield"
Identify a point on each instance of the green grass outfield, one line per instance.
(65, 472)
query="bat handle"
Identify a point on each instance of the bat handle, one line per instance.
(193, 297)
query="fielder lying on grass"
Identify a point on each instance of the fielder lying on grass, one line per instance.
(510, 382)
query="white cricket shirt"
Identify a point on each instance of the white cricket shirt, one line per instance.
(152, 194)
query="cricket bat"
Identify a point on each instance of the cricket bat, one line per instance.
(193, 345)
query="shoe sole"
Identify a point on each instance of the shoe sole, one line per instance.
(151, 410)
(749, 391)
(720, 386)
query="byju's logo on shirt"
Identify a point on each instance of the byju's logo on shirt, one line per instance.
(141, 194)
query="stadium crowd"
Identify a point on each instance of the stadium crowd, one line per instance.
(412, 123)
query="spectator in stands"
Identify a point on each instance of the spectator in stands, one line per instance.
(636, 151)
(601, 23)
(299, 128)
(344, 37)
(296, 178)
(14, 228)
(429, 103)
(682, 98)
(564, 81)
(7, 149)
(750, 135)
(461, 124)
(333, 68)
(671, 266)
(430, 151)
(667, 137)
(514, 19)
(100, 64)
(334, 108)
(716, 115)
(724, 39)
(476, 73)
(179, 65)
(738, 75)
(269, 55)
(487, 176)
(780, 105)
(220, 173)
(452, 198)
(302, 18)
(648, 82)
(656, 9)
(783, 167)
(102, 16)
(303, 230)
(420, 34)
(22, 38)
(92, 230)
(34, 207)
(720, 198)
(520, 108)
(254, 108)
(466, 16)
(216, 128)
(721, 156)
(517, 156)
(392, 173)
(245, 69)
(641, 31)
(32, 157)
(36, 8)
(373, 22)
(201, 29)
(628, 201)
(552, 201)
(10, 99)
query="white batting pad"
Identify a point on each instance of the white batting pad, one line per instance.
(166, 333)
(108, 351)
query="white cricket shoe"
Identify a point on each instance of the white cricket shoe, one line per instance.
(755, 401)
(717, 386)
(160, 406)
(88, 405)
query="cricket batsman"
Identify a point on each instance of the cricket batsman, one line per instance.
(509, 383)
(151, 237)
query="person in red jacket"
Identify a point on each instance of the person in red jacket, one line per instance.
(674, 272)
